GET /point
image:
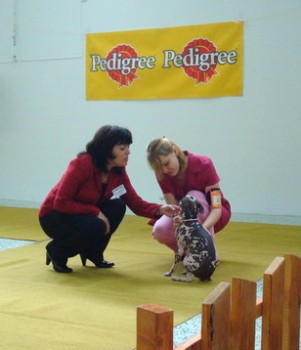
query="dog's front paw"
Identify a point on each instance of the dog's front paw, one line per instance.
(181, 279)
(167, 274)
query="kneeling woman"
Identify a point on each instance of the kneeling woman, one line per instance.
(180, 173)
(84, 209)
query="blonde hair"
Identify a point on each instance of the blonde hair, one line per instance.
(162, 146)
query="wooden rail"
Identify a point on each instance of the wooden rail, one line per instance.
(229, 314)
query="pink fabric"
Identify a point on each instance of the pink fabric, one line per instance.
(164, 230)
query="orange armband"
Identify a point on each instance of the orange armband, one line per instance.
(216, 198)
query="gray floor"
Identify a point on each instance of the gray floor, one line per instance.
(12, 243)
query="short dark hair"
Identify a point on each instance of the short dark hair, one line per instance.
(101, 146)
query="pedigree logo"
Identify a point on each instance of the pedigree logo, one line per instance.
(121, 64)
(199, 61)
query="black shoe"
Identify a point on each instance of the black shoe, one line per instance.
(99, 263)
(58, 267)
(105, 264)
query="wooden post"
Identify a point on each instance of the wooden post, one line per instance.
(272, 310)
(243, 315)
(216, 319)
(154, 328)
(291, 307)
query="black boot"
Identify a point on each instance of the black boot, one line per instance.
(59, 264)
(98, 261)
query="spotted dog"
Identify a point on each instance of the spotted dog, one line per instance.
(195, 244)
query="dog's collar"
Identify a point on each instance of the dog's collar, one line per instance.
(190, 220)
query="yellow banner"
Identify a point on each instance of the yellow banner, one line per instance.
(180, 62)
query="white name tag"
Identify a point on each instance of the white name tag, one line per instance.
(118, 191)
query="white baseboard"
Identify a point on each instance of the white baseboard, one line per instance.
(236, 217)
(267, 219)
(19, 204)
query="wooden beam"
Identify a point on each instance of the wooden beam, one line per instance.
(154, 327)
(216, 319)
(243, 315)
(272, 313)
(291, 307)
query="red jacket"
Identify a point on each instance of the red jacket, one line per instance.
(80, 189)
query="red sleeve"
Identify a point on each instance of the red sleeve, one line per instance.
(139, 206)
(209, 174)
(65, 199)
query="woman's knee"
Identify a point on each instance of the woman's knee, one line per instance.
(95, 228)
(164, 233)
(119, 205)
(163, 230)
(201, 198)
(114, 209)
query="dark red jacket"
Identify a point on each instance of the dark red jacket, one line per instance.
(80, 189)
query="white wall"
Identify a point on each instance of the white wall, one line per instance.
(45, 120)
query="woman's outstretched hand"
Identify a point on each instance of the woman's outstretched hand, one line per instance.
(170, 210)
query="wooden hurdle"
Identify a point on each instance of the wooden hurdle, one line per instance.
(229, 314)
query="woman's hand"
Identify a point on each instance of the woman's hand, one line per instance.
(170, 210)
(102, 217)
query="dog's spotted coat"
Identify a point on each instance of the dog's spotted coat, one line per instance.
(195, 244)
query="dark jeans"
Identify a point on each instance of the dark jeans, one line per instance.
(81, 233)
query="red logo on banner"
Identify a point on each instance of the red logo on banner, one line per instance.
(200, 51)
(124, 53)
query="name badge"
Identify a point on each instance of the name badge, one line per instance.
(118, 191)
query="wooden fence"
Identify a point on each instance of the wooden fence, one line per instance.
(229, 314)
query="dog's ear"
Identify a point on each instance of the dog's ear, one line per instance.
(200, 207)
